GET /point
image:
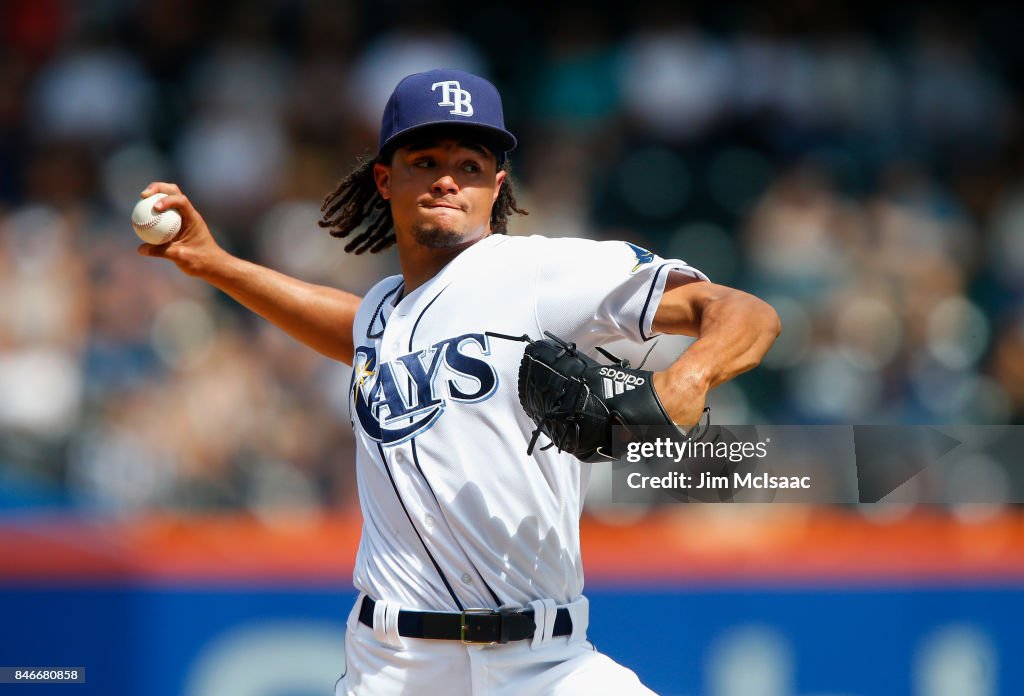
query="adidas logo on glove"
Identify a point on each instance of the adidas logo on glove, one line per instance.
(616, 381)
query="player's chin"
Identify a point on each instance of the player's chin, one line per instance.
(437, 235)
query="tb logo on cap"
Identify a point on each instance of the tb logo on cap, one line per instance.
(454, 96)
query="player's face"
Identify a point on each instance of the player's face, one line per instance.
(441, 191)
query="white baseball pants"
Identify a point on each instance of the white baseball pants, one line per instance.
(379, 662)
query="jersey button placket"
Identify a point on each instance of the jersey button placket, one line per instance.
(393, 336)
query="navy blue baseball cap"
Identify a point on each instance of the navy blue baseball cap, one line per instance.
(446, 98)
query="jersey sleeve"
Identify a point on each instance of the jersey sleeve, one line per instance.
(590, 292)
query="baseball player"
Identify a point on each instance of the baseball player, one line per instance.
(469, 568)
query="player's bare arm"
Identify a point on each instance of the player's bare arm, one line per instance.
(319, 316)
(734, 330)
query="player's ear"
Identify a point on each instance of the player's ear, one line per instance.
(499, 179)
(382, 177)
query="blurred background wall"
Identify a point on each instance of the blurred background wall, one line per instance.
(860, 168)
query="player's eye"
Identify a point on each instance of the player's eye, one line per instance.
(423, 162)
(471, 168)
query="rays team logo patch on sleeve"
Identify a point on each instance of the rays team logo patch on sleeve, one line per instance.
(642, 256)
(403, 398)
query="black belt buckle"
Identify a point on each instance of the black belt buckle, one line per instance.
(462, 625)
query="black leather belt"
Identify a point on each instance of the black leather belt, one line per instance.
(472, 626)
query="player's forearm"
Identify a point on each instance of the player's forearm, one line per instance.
(735, 331)
(316, 315)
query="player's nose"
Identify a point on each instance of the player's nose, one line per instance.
(445, 184)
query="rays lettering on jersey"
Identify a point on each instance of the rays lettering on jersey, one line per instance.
(400, 399)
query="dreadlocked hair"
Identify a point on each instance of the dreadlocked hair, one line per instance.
(356, 201)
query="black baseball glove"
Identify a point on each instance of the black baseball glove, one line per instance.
(575, 401)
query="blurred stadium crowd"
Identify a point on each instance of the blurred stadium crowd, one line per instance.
(863, 171)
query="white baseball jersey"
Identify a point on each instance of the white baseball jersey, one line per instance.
(455, 514)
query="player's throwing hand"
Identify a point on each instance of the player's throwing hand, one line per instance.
(194, 249)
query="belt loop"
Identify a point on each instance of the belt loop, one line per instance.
(385, 623)
(544, 613)
(579, 611)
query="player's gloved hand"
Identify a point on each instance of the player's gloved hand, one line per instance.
(575, 401)
(194, 250)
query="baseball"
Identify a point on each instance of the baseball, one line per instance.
(155, 227)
